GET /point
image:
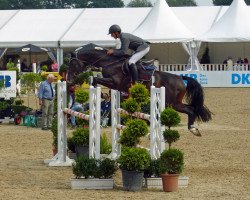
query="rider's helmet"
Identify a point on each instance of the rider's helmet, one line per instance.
(114, 28)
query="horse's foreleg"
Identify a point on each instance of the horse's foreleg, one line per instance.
(189, 110)
(107, 82)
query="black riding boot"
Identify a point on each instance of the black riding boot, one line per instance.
(134, 72)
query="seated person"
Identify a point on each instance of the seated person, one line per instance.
(105, 104)
(73, 105)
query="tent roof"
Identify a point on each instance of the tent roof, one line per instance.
(162, 25)
(93, 24)
(38, 27)
(233, 26)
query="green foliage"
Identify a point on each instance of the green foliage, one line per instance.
(139, 3)
(170, 118)
(66, 60)
(70, 144)
(139, 93)
(44, 68)
(3, 105)
(154, 169)
(81, 137)
(81, 96)
(2, 85)
(127, 139)
(63, 68)
(54, 131)
(134, 159)
(107, 168)
(131, 105)
(171, 136)
(30, 79)
(181, 3)
(173, 161)
(81, 122)
(19, 102)
(85, 167)
(17, 109)
(83, 77)
(105, 145)
(17, 72)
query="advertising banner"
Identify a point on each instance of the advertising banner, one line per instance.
(9, 81)
(218, 78)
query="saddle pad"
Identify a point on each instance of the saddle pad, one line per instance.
(146, 75)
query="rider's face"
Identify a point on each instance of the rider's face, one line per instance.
(114, 35)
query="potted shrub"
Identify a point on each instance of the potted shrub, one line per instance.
(172, 161)
(55, 137)
(81, 140)
(105, 145)
(93, 174)
(133, 162)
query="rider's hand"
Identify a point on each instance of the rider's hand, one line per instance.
(110, 51)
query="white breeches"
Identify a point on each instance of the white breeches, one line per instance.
(137, 56)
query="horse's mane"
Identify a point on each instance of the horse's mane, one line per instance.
(95, 50)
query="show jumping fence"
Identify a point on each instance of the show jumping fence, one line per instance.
(157, 105)
(61, 158)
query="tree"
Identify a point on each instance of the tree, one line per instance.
(20, 4)
(139, 3)
(179, 3)
(226, 2)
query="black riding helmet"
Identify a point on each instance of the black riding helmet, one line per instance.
(114, 28)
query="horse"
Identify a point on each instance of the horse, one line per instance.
(114, 76)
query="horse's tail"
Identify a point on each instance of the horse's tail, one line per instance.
(195, 98)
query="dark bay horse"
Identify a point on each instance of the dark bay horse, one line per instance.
(115, 78)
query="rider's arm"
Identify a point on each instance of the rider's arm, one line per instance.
(124, 48)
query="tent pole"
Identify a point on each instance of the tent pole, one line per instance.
(59, 56)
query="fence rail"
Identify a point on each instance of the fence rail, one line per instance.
(206, 67)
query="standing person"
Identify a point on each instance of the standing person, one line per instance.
(46, 97)
(132, 42)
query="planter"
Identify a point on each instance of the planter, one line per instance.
(82, 150)
(132, 180)
(95, 184)
(170, 182)
(156, 183)
(72, 155)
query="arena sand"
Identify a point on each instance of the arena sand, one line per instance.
(217, 164)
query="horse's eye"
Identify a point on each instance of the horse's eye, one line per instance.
(75, 74)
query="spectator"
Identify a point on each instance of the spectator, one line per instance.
(54, 66)
(73, 105)
(10, 64)
(245, 61)
(240, 61)
(246, 65)
(105, 104)
(230, 63)
(46, 97)
(24, 66)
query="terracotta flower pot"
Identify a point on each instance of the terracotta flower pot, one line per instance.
(54, 150)
(170, 182)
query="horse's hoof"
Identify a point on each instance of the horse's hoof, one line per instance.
(195, 131)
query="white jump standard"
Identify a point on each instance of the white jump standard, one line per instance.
(157, 105)
(61, 158)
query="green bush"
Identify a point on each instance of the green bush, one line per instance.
(127, 139)
(81, 96)
(137, 127)
(81, 122)
(63, 68)
(3, 105)
(81, 137)
(19, 102)
(44, 68)
(17, 109)
(131, 105)
(70, 144)
(154, 169)
(105, 146)
(2, 85)
(54, 131)
(170, 118)
(107, 168)
(139, 93)
(134, 159)
(171, 136)
(172, 160)
(85, 167)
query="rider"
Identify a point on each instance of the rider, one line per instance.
(129, 41)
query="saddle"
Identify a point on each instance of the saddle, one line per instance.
(146, 69)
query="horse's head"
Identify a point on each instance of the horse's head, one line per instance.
(76, 67)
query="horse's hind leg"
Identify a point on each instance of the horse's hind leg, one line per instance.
(189, 110)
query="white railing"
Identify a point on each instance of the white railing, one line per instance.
(206, 67)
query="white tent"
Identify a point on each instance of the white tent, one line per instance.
(38, 27)
(162, 25)
(233, 26)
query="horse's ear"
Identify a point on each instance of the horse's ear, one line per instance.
(73, 55)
